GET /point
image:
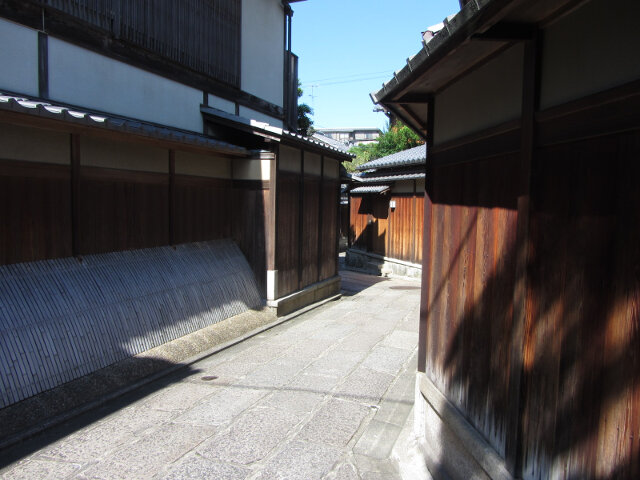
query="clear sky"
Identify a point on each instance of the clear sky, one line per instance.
(348, 48)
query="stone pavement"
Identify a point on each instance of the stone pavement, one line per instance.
(322, 396)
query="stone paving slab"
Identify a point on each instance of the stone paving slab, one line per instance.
(322, 396)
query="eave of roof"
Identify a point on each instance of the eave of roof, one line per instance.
(467, 40)
(371, 189)
(80, 118)
(275, 133)
(412, 156)
(388, 178)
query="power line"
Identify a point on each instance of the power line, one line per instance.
(350, 78)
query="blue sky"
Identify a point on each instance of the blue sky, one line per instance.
(348, 48)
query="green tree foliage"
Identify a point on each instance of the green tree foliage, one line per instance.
(395, 139)
(305, 124)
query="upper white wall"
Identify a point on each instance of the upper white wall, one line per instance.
(487, 97)
(18, 58)
(593, 49)
(263, 49)
(87, 79)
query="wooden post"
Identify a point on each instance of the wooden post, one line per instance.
(300, 218)
(530, 102)
(426, 242)
(320, 219)
(172, 197)
(75, 195)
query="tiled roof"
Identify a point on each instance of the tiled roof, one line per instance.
(371, 189)
(330, 141)
(389, 178)
(107, 122)
(413, 156)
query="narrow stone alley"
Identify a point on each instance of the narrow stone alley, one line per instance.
(324, 395)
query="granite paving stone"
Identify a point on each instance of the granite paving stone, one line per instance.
(335, 423)
(195, 467)
(386, 359)
(321, 396)
(365, 385)
(301, 461)
(251, 437)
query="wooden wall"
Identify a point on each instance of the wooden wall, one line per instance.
(577, 357)
(394, 233)
(35, 211)
(52, 210)
(307, 229)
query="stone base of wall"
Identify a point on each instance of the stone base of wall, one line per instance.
(451, 447)
(378, 265)
(307, 296)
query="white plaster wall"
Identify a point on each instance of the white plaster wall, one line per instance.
(34, 145)
(312, 164)
(99, 152)
(487, 97)
(404, 186)
(251, 169)
(331, 168)
(188, 163)
(222, 104)
(18, 58)
(263, 49)
(289, 159)
(261, 117)
(593, 49)
(87, 79)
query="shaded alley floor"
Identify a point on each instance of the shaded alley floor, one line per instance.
(322, 396)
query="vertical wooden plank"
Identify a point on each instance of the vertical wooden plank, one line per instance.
(172, 197)
(76, 247)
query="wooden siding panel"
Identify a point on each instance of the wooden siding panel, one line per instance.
(287, 252)
(310, 231)
(202, 208)
(249, 214)
(122, 210)
(329, 251)
(35, 212)
(472, 233)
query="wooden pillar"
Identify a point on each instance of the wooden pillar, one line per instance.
(530, 103)
(426, 241)
(320, 219)
(172, 197)
(300, 218)
(76, 248)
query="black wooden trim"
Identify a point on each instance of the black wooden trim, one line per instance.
(530, 104)
(426, 243)
(43, 65)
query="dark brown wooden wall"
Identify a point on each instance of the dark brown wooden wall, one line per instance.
(577, 413)
(35, 211)
(122, 210)
(395, 233)
(307, 230)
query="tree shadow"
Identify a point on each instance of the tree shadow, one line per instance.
(578, 405)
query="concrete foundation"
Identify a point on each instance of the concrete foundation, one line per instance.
(311, 294)
(451, 447)
(379, 265)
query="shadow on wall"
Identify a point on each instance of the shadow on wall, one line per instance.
(580, 386)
